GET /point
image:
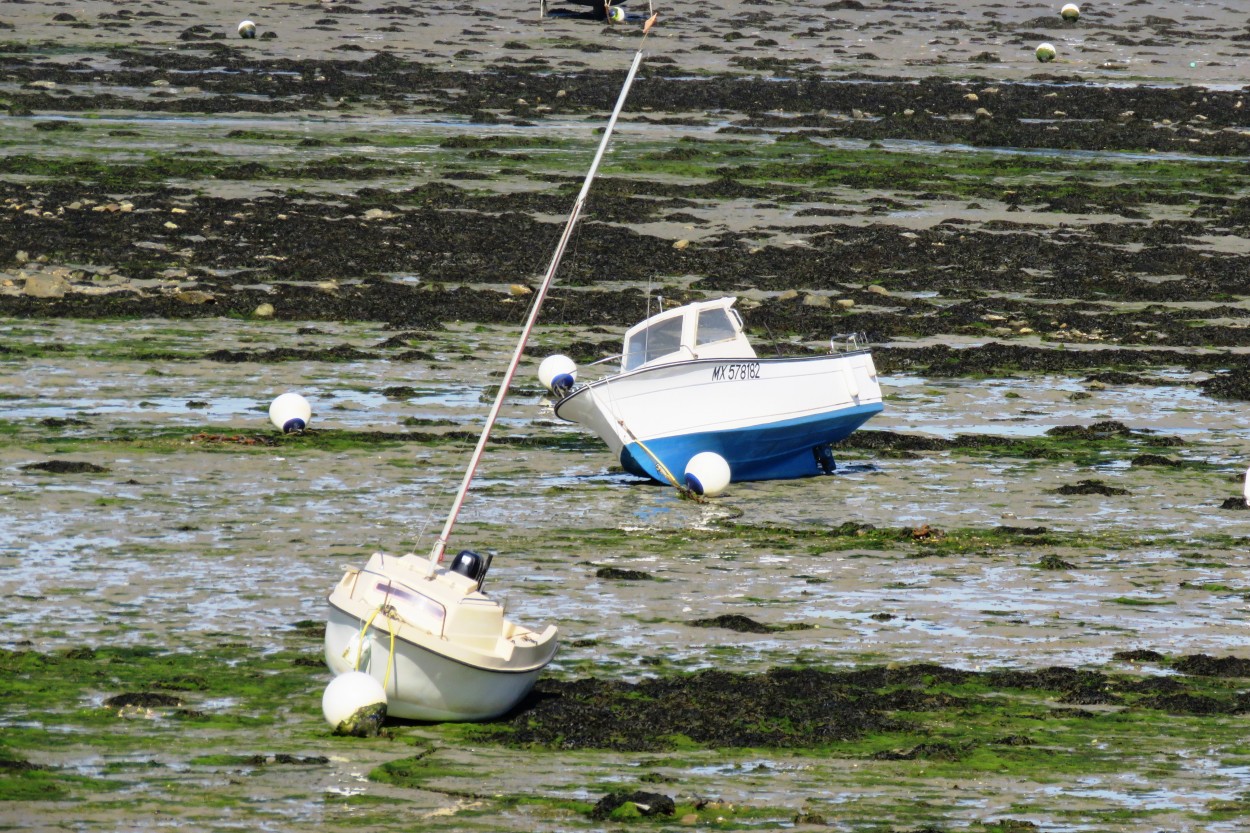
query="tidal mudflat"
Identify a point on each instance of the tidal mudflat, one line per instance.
(1019, 604)
(1028, 655)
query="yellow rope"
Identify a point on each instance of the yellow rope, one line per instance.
(390, 657)
(659, 465)
(663, 469)
(360, 642)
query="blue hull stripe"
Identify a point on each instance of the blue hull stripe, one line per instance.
(773, 451)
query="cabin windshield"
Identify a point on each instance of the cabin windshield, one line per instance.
(660, 339)
(714, 325)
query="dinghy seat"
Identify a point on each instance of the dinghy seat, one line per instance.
(471, 564)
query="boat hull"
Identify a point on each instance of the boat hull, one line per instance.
(441, 649)
(422, 684)
(768, 418)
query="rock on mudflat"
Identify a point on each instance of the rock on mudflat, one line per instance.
(46, 286)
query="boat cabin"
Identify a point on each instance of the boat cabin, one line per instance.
(704, 330)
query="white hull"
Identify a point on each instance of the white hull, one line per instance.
(442, 649)
(766, 417)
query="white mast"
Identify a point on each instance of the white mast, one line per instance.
(436, 554)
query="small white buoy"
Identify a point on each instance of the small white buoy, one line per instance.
(290, 412)
(707, 474)
(1045, 53)
(354, 703)
(616, 14)
(247, 29)
(557, 373)
(1070, 12)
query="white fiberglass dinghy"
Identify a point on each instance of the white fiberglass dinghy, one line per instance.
(442, 648)
(690, 383)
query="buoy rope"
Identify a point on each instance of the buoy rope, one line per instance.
(390, 627)
(360, 639)
(390, 656)
(659, 464)
(663, 469)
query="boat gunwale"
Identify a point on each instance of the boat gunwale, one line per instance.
(399, 637)
(603, 380)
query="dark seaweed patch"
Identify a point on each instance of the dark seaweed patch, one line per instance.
(65, 467)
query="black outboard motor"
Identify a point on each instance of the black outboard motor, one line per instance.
(471, 564)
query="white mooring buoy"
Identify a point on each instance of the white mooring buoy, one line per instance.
(247, 29)
(557, 374)
(707, 474)
(354, 703)
(290, 413)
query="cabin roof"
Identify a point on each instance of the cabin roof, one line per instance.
(681, 312)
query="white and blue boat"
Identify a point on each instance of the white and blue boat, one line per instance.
(690, 382)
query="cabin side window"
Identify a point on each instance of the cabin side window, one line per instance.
(658, 340)
(714, 325)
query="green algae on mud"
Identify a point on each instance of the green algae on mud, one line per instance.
(889, 724)
(57, 702)
(969, 730)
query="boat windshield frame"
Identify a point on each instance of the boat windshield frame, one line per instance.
(677, 334)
